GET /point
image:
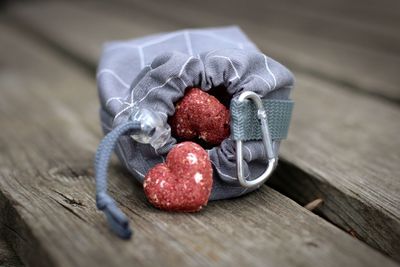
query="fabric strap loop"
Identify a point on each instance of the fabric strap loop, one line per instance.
(245, 125)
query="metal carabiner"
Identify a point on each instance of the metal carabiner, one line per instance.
(267, 142)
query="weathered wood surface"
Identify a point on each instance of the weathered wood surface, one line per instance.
(7, 257)
(49, 106)
(342, 146)
(344, 149)
(79, 32)
(309, 37)
(349, 49)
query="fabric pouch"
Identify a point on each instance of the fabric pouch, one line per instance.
(153, 72)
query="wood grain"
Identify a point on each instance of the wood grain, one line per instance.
(342, 145)
(46, 189)
(84, 29)
(303, 40)
(343, 148)
(340, 49)
(308, 37)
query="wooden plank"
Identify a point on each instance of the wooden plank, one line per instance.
(348, 154)
(317, 51)
(318, 44)
(46, 189)
(380, 16)
(81, 37)
(359, 190)
(333, 21)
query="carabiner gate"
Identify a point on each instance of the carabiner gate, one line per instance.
(267, 142)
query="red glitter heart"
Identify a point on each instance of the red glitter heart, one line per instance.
(183, 182)
(199, 114)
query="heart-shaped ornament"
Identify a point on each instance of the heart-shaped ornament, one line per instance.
(183, 182)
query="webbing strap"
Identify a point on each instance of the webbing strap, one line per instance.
(245, 125)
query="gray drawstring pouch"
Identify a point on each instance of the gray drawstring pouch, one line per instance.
(152, 73)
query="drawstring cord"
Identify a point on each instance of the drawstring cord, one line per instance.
(144, 126)
(117, 220)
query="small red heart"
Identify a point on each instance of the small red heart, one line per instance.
(199, 114)
(183, 182)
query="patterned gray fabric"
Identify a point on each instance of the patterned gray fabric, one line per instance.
(154, 71)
